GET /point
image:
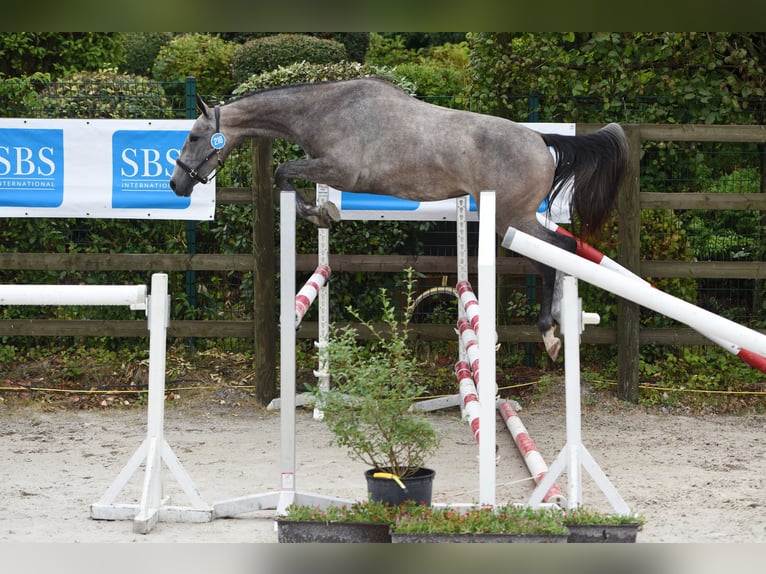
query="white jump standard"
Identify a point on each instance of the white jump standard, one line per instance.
(154, 505)
(289, 318)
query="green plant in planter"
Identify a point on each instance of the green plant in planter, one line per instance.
(508, 519)
(582, 515)
(586, 525)
(366, 512)
(374, 386)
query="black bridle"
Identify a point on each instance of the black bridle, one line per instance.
(194, 172)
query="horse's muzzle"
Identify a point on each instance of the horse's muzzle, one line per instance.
(183, 192)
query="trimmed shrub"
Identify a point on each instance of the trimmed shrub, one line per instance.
(203, 56)
(305, 73)
(356, 43)
(435, 82)
(263, 54)
(141, 49)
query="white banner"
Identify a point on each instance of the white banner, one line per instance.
(371, 207)
(96, 168)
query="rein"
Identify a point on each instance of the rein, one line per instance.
(217, 141)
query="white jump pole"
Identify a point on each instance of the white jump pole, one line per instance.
(650, 297)
(133, 296)
(592, 254)
(487, 385)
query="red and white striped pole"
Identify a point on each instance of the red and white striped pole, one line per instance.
(470, 303)
(471, 345)
(468, 376)
(528, 449)
(309, 291)
(469, 397)
(592, 254)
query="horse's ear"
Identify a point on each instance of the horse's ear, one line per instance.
(201, 105)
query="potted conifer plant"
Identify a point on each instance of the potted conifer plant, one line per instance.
(369, 405)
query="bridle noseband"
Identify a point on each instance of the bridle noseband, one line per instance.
(194, 172)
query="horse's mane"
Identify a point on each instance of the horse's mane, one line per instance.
(306, 84)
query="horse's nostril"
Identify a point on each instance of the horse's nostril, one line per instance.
(172, 185)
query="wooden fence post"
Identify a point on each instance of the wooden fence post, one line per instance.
(629, 255)
(264, 272)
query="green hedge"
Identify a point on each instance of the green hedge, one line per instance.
(263, 54)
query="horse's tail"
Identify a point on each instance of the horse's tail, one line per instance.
(599, 161)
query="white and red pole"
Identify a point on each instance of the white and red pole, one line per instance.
(468, 376)
(592, 254)
(469, 397)
(528, 449)
(700, 319)
(309, 292)
(471, 345)
(470, 303)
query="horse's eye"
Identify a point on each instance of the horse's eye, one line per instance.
(193, 138)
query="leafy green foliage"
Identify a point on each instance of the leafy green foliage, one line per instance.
(369, 407)
(271, 52)
(18, 96)
(698, 378)
(667, 77)
(57, 53)
(356, 43)
(436, 82)
(202, 56)
(727, 235)
(307, 73)
(141, 49)
(438, 72)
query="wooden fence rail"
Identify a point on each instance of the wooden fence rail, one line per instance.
(627, 335)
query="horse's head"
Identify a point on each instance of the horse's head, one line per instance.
(204, 150)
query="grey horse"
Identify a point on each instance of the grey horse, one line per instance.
(367, 135)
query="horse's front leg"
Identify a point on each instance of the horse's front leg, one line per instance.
(320, 215)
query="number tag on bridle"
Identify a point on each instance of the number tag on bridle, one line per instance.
(218, 140)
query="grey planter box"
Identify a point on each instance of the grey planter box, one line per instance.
(331, 532)
(486, 538)
(600, 533)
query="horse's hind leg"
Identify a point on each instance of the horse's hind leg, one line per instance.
(550, 304)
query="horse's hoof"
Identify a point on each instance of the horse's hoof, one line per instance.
(553, 350)
(552, 344)
(328, 215)
(331, 211)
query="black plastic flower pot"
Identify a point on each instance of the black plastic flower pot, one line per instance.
(417, 487)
